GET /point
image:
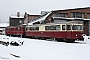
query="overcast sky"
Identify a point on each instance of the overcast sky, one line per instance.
(11, 7)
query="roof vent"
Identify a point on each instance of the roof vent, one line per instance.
(18, 14)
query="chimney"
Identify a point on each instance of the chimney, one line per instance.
(18, 14)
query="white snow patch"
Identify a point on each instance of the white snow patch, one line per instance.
(34, 49)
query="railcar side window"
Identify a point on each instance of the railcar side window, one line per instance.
(31, 28)
(47, 27)
(36, 28)
(63, 27)
(68, 27)
(26, 28)
(77, 27)
(52, 27)
(57, 27)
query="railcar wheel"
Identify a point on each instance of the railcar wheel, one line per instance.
(70, 40)
(59, 40)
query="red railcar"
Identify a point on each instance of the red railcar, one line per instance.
(68, 31)
(60, 31)
(10, 30)
(15, 30)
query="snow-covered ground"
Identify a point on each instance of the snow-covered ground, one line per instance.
(34, 49)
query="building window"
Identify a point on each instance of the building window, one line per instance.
(76, 15)
(88, 16)
(20, 21)
(26, 28)
(47, 27)
(61, 15)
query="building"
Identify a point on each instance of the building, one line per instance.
(18, 19)
(70, 13)
(80, 14)
(30, 17)
(73, 13)
(15, 20)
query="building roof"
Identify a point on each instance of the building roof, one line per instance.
(16, 16)
(70, 9)
(39, 19)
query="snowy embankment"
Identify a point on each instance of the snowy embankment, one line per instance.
(34, 49)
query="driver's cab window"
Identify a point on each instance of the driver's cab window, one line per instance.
(63, 27)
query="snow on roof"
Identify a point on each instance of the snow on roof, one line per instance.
(39, 19)
(16, 16)
(35, 14)
(32, 13)
(4, 24)
(65, 9)
(24, 24)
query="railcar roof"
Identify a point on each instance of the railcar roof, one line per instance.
(10, 26)
(70, 22)
(33, 25)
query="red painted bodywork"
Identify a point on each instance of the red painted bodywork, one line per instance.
(73, 35)
(10, 31)
(15, 31)
(21, 31)
(56, 34)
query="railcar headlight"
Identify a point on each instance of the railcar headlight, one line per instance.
(76, 35)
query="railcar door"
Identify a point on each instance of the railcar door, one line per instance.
(68, 32)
